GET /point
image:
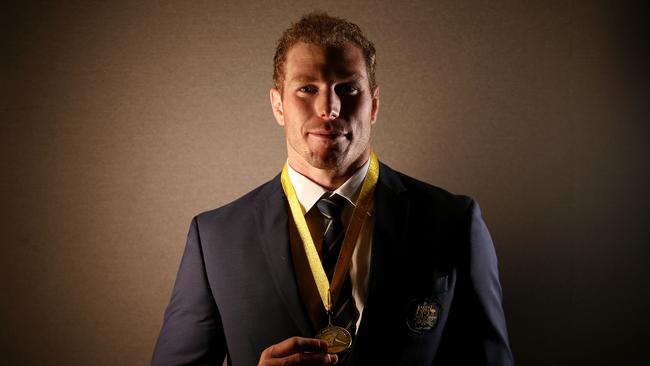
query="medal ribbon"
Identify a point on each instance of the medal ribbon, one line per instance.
(362, 204)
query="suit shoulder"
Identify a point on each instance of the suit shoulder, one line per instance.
(243, 207)
(436, 197)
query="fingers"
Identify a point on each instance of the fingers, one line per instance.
(295, 345)
(298, 351)
(306, 359)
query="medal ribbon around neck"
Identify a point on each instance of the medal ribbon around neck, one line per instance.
(329, 292)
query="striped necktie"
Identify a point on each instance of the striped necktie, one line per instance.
(344, 313)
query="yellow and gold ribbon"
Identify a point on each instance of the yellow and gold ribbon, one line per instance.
(328, 292)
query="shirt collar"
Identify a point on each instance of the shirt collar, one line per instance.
(309, 192)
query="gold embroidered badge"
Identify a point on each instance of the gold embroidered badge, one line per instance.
(422, 315)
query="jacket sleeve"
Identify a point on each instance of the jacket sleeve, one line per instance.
(192, 332)
(476, 332)
(492, 335)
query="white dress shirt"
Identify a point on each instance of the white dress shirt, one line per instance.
(309, 193)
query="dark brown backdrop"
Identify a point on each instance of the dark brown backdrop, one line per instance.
(120, 120)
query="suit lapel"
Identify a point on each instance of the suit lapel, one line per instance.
(273, 226)
(391, 214)
(391, 210)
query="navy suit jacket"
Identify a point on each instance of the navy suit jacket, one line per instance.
(236, 293)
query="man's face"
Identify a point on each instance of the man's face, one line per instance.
(326, 107)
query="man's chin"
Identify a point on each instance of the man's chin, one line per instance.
(325, 162)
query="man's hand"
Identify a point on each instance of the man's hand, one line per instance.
(298, 351)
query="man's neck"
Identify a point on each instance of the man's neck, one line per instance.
(330, 179)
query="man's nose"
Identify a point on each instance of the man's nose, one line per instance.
(329, 105)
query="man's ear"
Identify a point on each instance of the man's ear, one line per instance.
(276, 105)
(375, 105)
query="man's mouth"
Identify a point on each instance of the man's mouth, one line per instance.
(329, 135)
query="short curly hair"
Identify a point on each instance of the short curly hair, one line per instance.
(323, 30)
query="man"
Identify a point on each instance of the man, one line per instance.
(339, 259)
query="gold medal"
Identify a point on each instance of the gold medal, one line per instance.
(338, 339)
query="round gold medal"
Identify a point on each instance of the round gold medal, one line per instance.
(338, 339)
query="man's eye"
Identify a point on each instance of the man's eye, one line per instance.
(349, 89)
(307, 89)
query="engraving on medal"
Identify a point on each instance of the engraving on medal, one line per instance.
(338, 339)
(422, 315)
